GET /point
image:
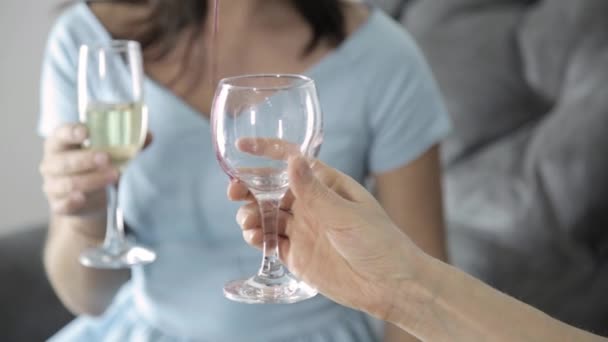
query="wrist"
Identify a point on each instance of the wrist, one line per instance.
(414, 298)
(91, 227)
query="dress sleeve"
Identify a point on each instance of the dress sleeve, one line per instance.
(407, 115)
(58, 102)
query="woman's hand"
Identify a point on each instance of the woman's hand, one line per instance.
(74, 178)
(335, 236)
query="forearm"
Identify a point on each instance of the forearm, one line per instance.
(416, 210)
(82, 290)
(449, 305)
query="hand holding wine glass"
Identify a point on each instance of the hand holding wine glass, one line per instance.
(74, 179)
(110, 103)
(336, 236)
(258, 121)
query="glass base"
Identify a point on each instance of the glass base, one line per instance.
(260, 290)
(129, 255)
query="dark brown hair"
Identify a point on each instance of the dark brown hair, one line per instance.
(168, 18)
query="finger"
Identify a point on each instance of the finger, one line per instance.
(310, 191)
(74, 162)
(337, 182)
(73, 203)
(66, 137)
(238, 191)
(277, 149)
(287, 201)
(95, 203)
(248, 217)
(284, 247)
(255, 238)
(85, 183)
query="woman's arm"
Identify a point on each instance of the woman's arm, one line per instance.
(449, 305)
(336, 233)
(74, 179)
(74, 182)
(411, 195)
(82, 290)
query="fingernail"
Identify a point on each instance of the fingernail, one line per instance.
(102, 159)
(79, 133)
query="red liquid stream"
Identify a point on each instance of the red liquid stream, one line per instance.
(213, 50)
(213, 70)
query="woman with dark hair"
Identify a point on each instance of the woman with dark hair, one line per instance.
(383, 118)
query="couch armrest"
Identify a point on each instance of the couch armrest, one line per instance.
(29, 309)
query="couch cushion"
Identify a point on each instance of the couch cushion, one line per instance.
(528, 210)
(565, 49)
(550, 35)
(472, 48)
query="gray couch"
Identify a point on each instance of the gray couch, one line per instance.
(29, 310)
(526, 168)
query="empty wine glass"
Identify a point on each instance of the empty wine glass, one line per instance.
(258, 122)
(111, 105)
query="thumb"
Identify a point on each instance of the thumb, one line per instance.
(307, 188)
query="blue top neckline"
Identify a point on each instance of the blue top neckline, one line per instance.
(351, 42)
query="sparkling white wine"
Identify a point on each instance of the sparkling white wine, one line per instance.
(118, 129)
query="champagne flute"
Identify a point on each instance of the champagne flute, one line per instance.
(110, 104)
(258, 122)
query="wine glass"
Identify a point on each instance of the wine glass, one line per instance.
(110, 104)
(258, 123)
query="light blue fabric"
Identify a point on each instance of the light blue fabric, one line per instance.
(381, 110)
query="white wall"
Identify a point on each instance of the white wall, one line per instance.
(23, 26)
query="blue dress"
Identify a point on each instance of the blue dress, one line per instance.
(381, 110)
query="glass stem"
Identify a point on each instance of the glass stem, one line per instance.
(115, 229)
(269, 211)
